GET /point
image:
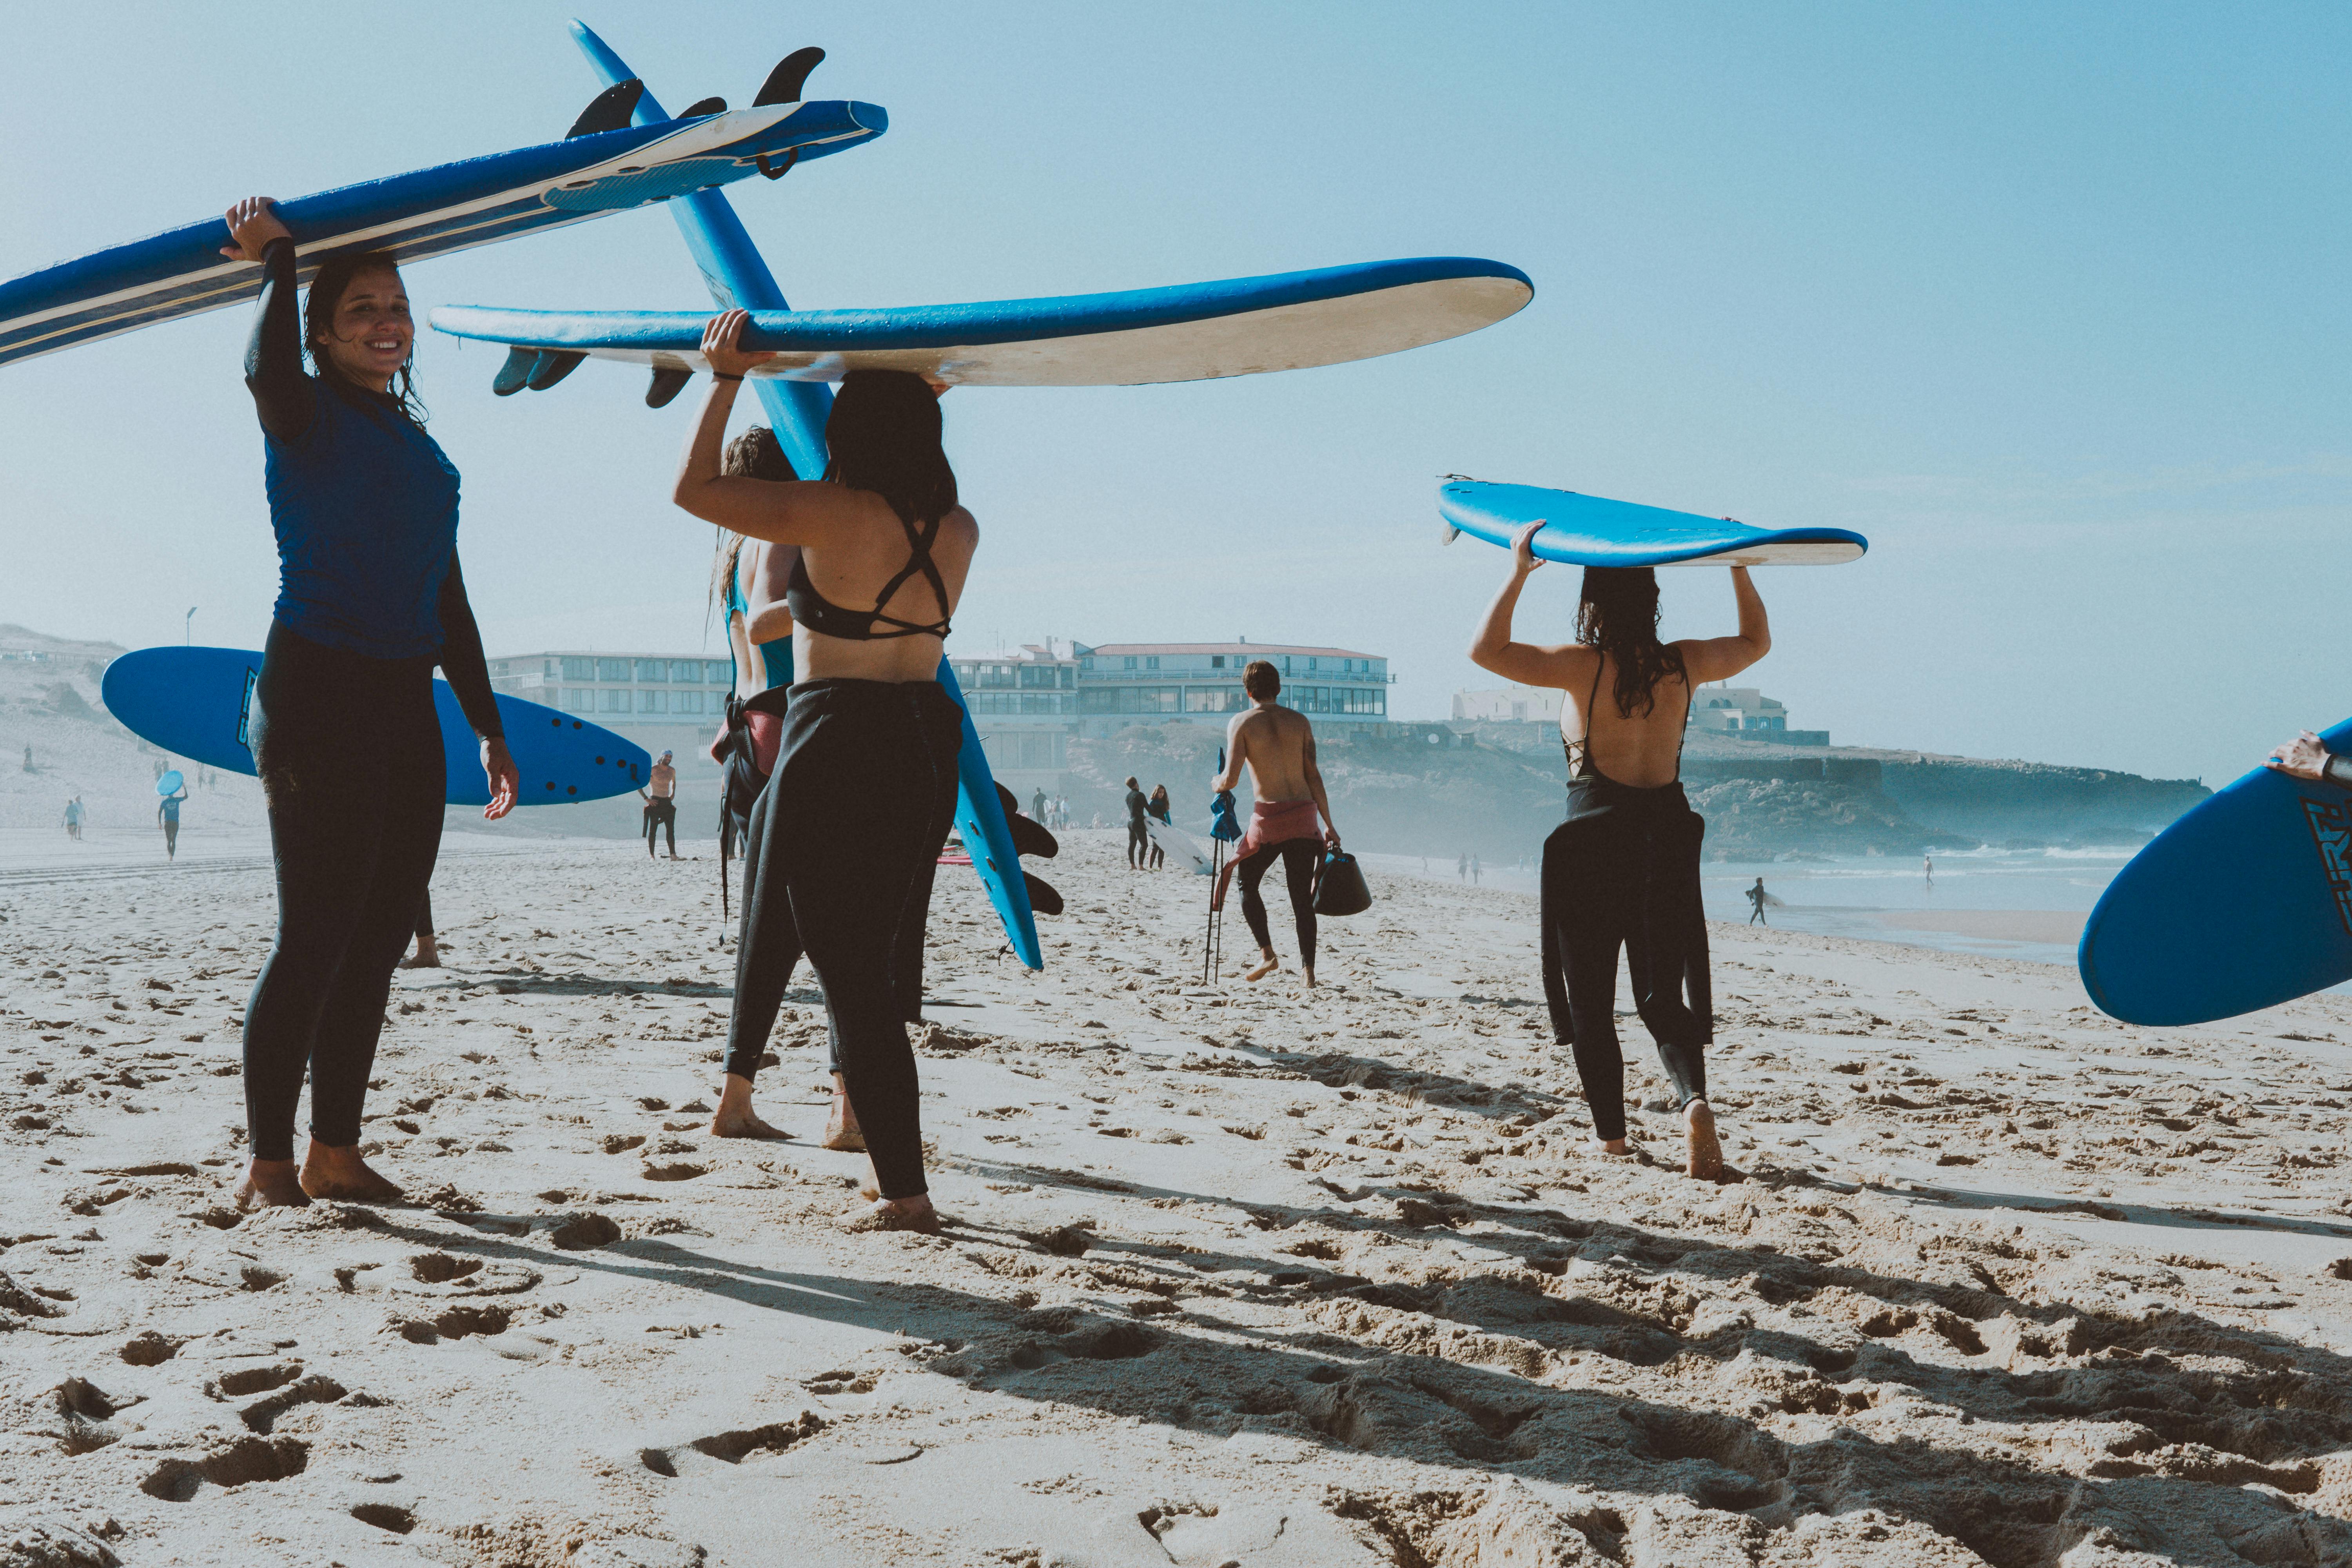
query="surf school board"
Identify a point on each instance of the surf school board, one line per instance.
(197, 703)
(2244, 903)
(168, 783)
(1177, 845)
(733, 267)
(1587, 531)
(426, 213)
(1194, 332)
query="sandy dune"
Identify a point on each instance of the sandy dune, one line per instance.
(1238, 1277)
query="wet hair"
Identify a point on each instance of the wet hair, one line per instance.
(884, 435)
(1619, 614)
(756, 454)
(1261, 681)
(328, 287)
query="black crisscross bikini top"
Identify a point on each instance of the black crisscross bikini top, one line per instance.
(1581, 764)
(822, 616)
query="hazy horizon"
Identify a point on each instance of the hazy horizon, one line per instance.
(2044, 301)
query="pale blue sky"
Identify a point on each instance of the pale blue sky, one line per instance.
(2048, 301)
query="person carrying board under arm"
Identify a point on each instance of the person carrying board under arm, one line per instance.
(364, 505)
(1622, 870)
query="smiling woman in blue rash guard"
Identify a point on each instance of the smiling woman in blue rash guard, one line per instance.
(343, 731)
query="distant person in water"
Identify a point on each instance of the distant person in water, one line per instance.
(167, 815)
(1139, 837)
(371, 598)
(1622, 870)
(1756, 896)
(1927, 868)
(1290, 820)
(74, 815)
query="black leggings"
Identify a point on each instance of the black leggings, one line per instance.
(350, 754)
(844, 845)
(1623, 872)
(1137, 842)
(661, 813)
(1299, 856)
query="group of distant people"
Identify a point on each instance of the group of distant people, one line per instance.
(1052, 810)
(1143, 850)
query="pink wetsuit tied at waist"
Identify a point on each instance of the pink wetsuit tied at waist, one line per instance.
(1271, 822)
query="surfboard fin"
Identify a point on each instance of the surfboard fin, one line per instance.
(1452, 534)
(703, 106)
(668, 384)
(792, 73)
(609, 109)
(1042, 899)
(552, 366)
(515, 374)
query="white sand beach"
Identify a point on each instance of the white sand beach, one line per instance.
(1237, 1275)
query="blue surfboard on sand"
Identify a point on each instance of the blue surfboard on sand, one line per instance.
(428, 212)
(196, 702)
(2244, 903)
(733, 267)
(1193, 332)
(1587, 531)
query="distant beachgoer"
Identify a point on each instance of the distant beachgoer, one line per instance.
(1138, 838)
(167, 813)
(1927, 865)
(660, 795)
(864, 792)
(1158, 809)
(371, 598)
(1277, 745)
(1622, 870)
(74, 814)
(1756, 896)
(1096, 823)
(1474, 871)
(1037, 804)
(429, 946)
(29, 757)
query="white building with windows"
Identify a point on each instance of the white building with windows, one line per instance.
(665, 702)
(1742, 711)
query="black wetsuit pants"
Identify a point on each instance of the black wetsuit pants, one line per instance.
(349, 750)
(1139, 844)
(1299, 857)
(1622, 872)
(844, 845)
(661, 813)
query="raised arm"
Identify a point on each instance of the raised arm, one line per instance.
(283, 394)
(793, 512)
(1529, 664)
(1720, 658)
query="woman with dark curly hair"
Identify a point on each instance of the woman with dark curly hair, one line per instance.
(1622, 870)
(343, 731)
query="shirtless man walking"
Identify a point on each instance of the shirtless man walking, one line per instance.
(1278, 747)
(661, 806)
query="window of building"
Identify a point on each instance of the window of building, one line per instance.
(686, 670)
(579, 669)
(1375, 702)
(653, 701)
(579, 700)
(1069, 678)
(610, 701)
(718, 671)
(1133, 699)
(612, 669)
(549, 671)
(653, 670)
(499, 668)
(1036, 675)
(1310, 664)
(1128, 661)
(1214, 699)
(685, 701)
(1151, 663)
(1216, 661)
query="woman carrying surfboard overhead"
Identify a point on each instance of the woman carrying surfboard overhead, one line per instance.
(1622, 870)
(342, 726)
(850, 825)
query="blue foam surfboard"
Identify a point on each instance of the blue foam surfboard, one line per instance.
(733, 267)
(196, 702)
(1194, 332)
(2244, 903)
(1587, 531)
(168, 782)
(428, 212)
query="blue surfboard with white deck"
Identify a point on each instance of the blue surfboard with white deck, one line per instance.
(197, 703)
(426, 213)
(737, 275)
(2243, 903)
(1591, 531)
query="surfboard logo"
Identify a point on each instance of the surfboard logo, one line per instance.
(245, 710)
(2331, 835)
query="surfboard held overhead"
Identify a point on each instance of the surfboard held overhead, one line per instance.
(1592, 531)
(1194, 332)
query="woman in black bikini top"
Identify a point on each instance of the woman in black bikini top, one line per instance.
(1622, 870)
(845, 838)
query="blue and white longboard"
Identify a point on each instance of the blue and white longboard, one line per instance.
(430, 212)
(197, 703)
(1194, 332)
(732, 266)
(2243, 903)
(1587, 531)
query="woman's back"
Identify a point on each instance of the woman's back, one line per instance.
(861, 565)
(1643, 749)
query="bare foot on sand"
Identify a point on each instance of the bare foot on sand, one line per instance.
(1613, 1145)
(1706, 1149)
(428, 957)
(270, 1184)
(331, 1173)
(841, 1131)
(1263, 969)
(735, 1118)
(1308, 975)
(915, 1214)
